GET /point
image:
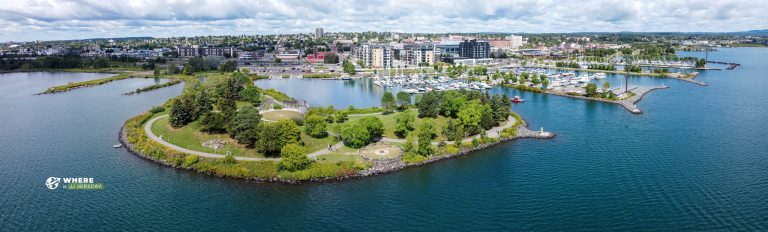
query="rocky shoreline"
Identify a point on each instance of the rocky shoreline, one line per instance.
(380, 167)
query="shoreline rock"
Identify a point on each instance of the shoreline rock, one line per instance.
(384, 167)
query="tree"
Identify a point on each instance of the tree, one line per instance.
(331, 58)
(293, 158)
(428, 126)
(244, 126)
(426, 133)
(388, 102)
(355, 135)
(182, 111)
(487, 120)
(453, 131)
(229, 66)
(213, 122)
(470, 116)
(315, 126)
(251, 94)
(403, 100)
(273, 136)
(606, 86)
(348, 67)
(405, 123)
(429, 105)
(591, 90)
(374, 126)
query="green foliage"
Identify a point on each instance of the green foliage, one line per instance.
(405, 123)
(388, 102)
(429, 105)
(156, 109)
(374, 126)
(213, 122)
(251, 94)
(228, 66)
(229, 159)
(403, 100)
(591, 90)
(315, 126)
(191, 160)
(470, 116)
(633, 68)
(348, 67)
(453, 131)
(182, 111)
(293, 158)
(273, 136)
(244, 126)
(355, 135)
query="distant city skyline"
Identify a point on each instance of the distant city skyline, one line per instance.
(27, 20)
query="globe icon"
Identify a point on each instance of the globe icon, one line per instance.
(52, 182)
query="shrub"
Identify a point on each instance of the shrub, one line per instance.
(229, 159)
(293, 158)
(191, 160)
(157, 109)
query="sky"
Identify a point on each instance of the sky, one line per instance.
(28, 20)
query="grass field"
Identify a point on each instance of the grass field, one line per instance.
(390, 123)
(190, 137)
(278, 115)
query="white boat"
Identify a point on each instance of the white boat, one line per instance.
(599, 75)
(117, 146)
(410, 91)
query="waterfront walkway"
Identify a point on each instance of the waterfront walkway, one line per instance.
(148, 131)
(629, 103)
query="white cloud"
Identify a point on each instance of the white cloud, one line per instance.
(68, 19)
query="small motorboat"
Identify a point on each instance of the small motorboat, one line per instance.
(117, 145)
(517, 99)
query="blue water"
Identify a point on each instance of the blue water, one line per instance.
(695, 160)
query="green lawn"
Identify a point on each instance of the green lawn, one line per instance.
(190, 137)
(336, 157)
(278, 115)
(390, 123)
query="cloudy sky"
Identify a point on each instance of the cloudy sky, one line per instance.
(25, 20)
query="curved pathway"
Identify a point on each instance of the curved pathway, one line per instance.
(148, 131)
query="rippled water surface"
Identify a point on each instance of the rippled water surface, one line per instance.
(696, 160)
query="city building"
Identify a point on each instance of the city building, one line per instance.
(319, 57)
(319, 32)
(375, 55)
(474, 49)
(417, 54)
(195, 51)
(448, 48)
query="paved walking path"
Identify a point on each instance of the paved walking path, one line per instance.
(148, 130)
(314, 155)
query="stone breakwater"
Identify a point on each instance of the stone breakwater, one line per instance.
(628, 103)
(391, 165)
(379, 166)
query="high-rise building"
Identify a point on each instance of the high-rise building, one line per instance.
(474, 49)
(516, 41)
(375, 55)
(319, 32)
(416, 54)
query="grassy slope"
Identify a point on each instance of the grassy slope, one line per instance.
(390, 123)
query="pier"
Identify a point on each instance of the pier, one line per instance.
(639, 92)
(731, 66)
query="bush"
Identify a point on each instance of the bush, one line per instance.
(298, 120)
(293, 158)
(316, 126)
(413, 158)
(229, 159)
(191, 160)
(157, 109)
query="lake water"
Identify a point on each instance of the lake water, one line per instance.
(695, 160)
